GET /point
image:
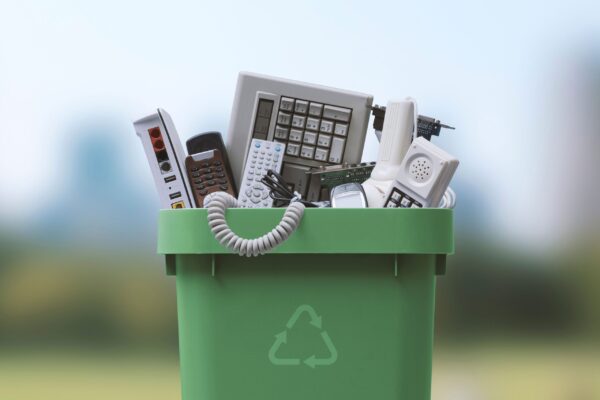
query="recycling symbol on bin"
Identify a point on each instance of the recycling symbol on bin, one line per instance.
(282, 338)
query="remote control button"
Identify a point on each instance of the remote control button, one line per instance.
(194, 169)
(265, 203)
(340, 129)
(220, 175)
(249, 192)
(337, 113)
(324, 140)
(217, 163)
(203, 192)
(210, 183)
(196, 175)
(200, 186)
(219, 169)
(286, 104)
(295, 135)
(258, 187)
(244, 199)
(326, 126)
(310, 138)
(198, 181)
(256, 193)
(281, 132)
(209, 176)
(284, 119)
(258, 179)
(298, 121)
(222, 181)
(223, 187)
(337, 149)
(265, 195)
(321, 154)
(277, 148)
(250, 171)
(257, 145)
(248, 183)
(255, 200)
(205, 165)
(301, 106)
(315, 109)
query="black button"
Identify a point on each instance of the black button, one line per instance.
(200, 186)
(203, 192)
(207, 171)
(210, 183)
(209, 176)
(217, 163)
(222, 181)
(220, 175)
(194, 169)
(224, 187)
(219, 169)
(198, 181)
(196, 175)
(205, 165)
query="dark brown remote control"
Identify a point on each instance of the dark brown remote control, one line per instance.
(207, 174)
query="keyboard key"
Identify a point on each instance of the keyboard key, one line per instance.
(337, 113)
(340, 129)
(321, 154)
(310, 138)
(283, 118)
(307, 152)
(337, 150)
(292, 149)
(301, 107)
(286, 104)
(281, 132)
(315, 109)
(326, 126)
(298, 121)
(405, 202)
(295, 135)
(324, 140)
(312, 123)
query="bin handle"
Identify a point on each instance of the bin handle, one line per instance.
(216, 205)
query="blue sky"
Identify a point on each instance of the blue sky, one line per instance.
(493, 69)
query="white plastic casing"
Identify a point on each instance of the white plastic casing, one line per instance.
(397, 133)
(425, 173)
(176, 158)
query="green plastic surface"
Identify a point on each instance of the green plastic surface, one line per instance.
(297, 326)
(327, 230)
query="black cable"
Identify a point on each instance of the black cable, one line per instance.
(280, 192)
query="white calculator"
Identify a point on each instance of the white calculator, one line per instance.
(262, 156)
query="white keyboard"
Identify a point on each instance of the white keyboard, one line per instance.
(262, 156)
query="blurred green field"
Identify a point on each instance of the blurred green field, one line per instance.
(486, 372)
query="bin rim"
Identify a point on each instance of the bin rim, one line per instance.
(321, 231)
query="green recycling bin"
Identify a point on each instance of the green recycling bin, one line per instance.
(342, 310)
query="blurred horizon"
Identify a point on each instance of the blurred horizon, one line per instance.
(85, 306)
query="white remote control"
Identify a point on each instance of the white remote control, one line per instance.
(262, 156)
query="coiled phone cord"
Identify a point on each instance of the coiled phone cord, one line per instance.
(218, 202)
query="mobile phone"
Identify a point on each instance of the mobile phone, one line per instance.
(348, 195)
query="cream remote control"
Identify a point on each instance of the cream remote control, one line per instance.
(262, 156)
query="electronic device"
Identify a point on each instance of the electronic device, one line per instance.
(423, 178)
(263, 156)
(211, 141)
(397, 134)
(166, 157)
(348, 195)
(426, 126)
(208, 174)
(323, 179)
(318, 125)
